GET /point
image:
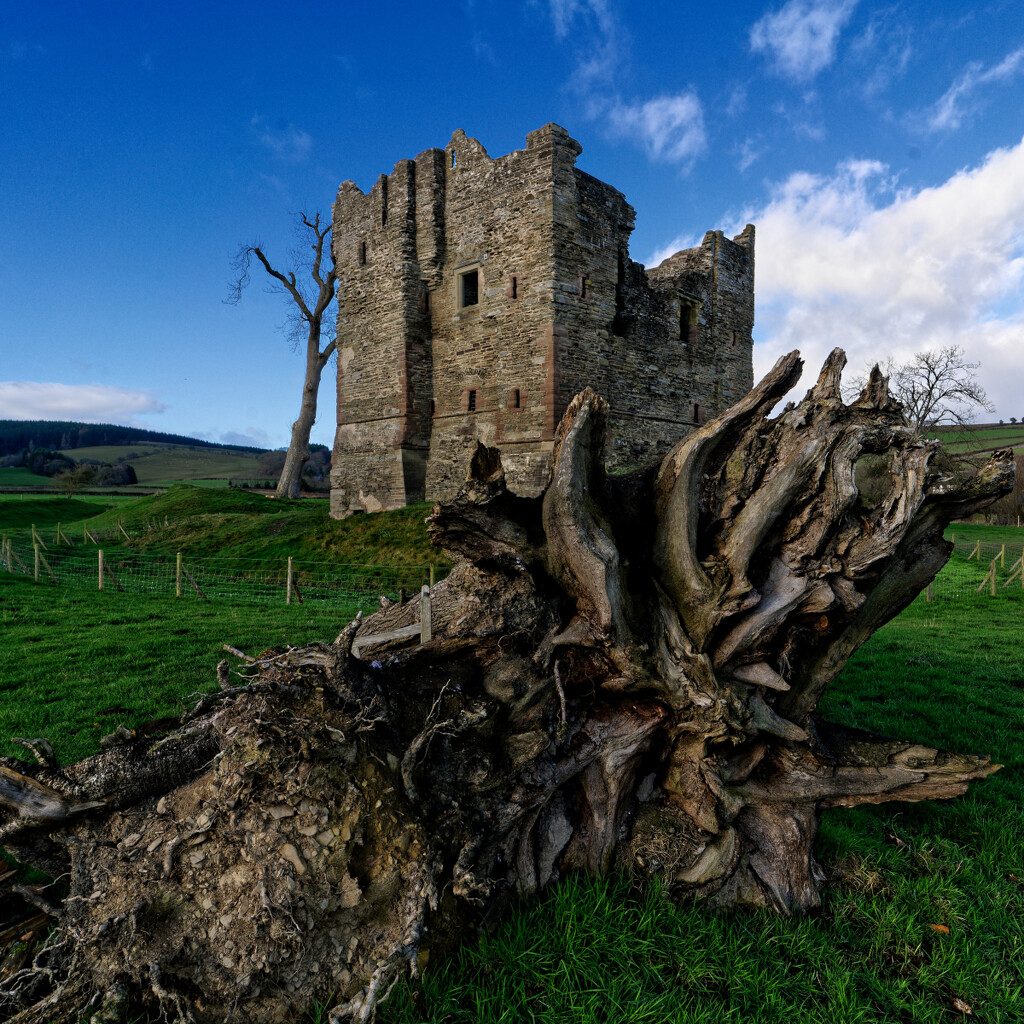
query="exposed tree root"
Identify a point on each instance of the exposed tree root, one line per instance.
(621, 672)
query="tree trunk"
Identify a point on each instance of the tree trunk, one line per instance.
(622, 673)
(290, 481)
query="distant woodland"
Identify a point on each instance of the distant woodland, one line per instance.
(18, 435)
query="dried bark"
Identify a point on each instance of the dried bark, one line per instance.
(623, 672)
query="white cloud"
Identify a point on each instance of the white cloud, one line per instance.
(483, 50)
(251, 437)
(801, 36)
(284, 140)
(850, 260)
(883, 50)
(749, 151)
(88, 403)
(677, 244)
(959, 100)
(565, 12)
(668, 127)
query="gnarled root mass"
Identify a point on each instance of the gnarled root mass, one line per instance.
(622, 672)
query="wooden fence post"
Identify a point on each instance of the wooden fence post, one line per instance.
(46, 565)
(1002, 556)
(425, 615)
(431, 577)
(177, 576)
(992, 587)
(36, 539)
(101, 567)
(288, 583)
(35, 550)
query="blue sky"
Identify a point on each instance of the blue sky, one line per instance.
(879, 149)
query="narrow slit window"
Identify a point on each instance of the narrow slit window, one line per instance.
(583, 287)
(433, 407)
(696, 413)
(383, 200)
(453, 158)
(469, 289)
(515, 398)
(471, 402)
(688, 332)
(515, 287)
(362, 254)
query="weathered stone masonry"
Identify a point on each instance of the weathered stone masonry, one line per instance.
(477, 296)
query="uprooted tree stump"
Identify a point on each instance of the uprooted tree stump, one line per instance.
(622, 672)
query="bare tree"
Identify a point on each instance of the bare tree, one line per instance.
(308, 320)
(938, 387)
(74, 479)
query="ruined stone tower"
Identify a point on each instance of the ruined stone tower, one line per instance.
(477, 296)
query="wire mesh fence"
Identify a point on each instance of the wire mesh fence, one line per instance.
(976, 570)
(238, 580)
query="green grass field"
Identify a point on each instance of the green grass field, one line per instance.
(18, 476)
(962, 440)
(157, 463)
(73, 663)
(925, 904)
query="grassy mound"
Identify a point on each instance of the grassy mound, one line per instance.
(233, 523)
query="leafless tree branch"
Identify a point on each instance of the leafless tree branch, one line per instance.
(309, 317)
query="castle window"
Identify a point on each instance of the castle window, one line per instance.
(583, 287)
(362, 254)
(696, 413)
(383, 200)
(433, 407)
(453, 158)
(515, 398)
(424, 297)
(471, 401)
(688, 333)
(469, 288)
(515, 287)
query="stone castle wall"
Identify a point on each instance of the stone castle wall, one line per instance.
(477, 296)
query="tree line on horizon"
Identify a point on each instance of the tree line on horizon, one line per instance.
(57, 435)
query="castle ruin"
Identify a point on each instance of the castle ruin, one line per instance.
(476, 296)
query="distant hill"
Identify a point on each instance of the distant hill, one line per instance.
(981, 437)
(167, 463)
(16, 435)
